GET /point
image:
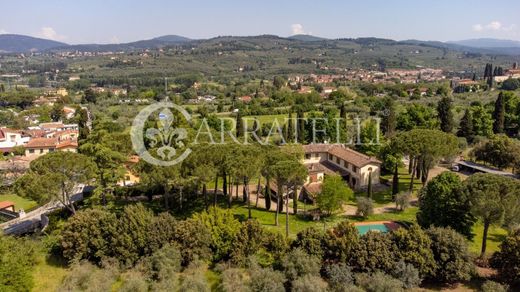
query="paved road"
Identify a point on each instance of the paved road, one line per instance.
(32, 220)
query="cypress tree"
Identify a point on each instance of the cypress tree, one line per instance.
(290, 129)
(389, 121)
(499, 115)
(369, 189)
(395, 182)
(240, 125)
(445, 114)
(301, 126)
(466, 126)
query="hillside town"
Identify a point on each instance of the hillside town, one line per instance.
(380, 153)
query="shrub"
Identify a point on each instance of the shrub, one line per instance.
(311, 241)
(365, 207)
(407, 274)
(131, 238)
(413, 245)
(276, 244)
(339, 275)
(87, 235)
(161, 231)
(340, 241)
(309, 283)
(250, 240)
(193, 279)
(507, 259)
(378, 282)
(450, 252)
(266, 280)
(402, 200)
(234, 280)
(17, 258)
(490, 286)
(194, 238)
(511, 84)
(298, 263)
(375, 252)
(161, 265)
(85, 276)
(132, 282)
(223, 229)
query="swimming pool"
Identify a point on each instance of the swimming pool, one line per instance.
(381, 226)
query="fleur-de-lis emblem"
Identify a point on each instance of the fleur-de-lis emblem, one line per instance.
(166, 136)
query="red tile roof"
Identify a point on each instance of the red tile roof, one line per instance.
(67, 144)
(345, 153)
(6, 204)
(313, 188)
(41, 143)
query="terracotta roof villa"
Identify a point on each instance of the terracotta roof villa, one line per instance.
(327, 159)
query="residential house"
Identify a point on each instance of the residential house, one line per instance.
(326, 159)
(11, 138)
(41, 146)
(58, 126)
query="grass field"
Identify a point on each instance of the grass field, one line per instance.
(49, 272)
(19, 202)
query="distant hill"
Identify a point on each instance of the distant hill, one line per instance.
(13, 43)
(172, 39)
(306, 38)
(20, 43)
(488, 43)
(157, 42)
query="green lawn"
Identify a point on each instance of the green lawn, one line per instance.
(19, 202)
(270, 118)
(49, 272)
(496, 235)
(298, 223)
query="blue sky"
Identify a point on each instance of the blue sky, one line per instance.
(111, 21)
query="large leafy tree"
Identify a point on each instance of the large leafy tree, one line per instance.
(491, 196)
(249, 161)
(450, 252)
(417, 116)
(482, 121)
(443, 203)
(375, 251)
(425, 147)
(287, 171)
(87, 236)
(153, 177)
(413, 247)
(59, 173)
(334, 193)
(499, 151)
(109, 162)
(507, 259)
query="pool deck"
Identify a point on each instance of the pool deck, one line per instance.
(391, 225)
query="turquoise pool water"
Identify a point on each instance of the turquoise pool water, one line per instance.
(362, 229)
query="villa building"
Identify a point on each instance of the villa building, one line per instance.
(326, 159)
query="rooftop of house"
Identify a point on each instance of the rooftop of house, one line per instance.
(41, 143)
(6, 204)
(345, 153)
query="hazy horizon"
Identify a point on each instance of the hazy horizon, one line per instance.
(114, 22)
